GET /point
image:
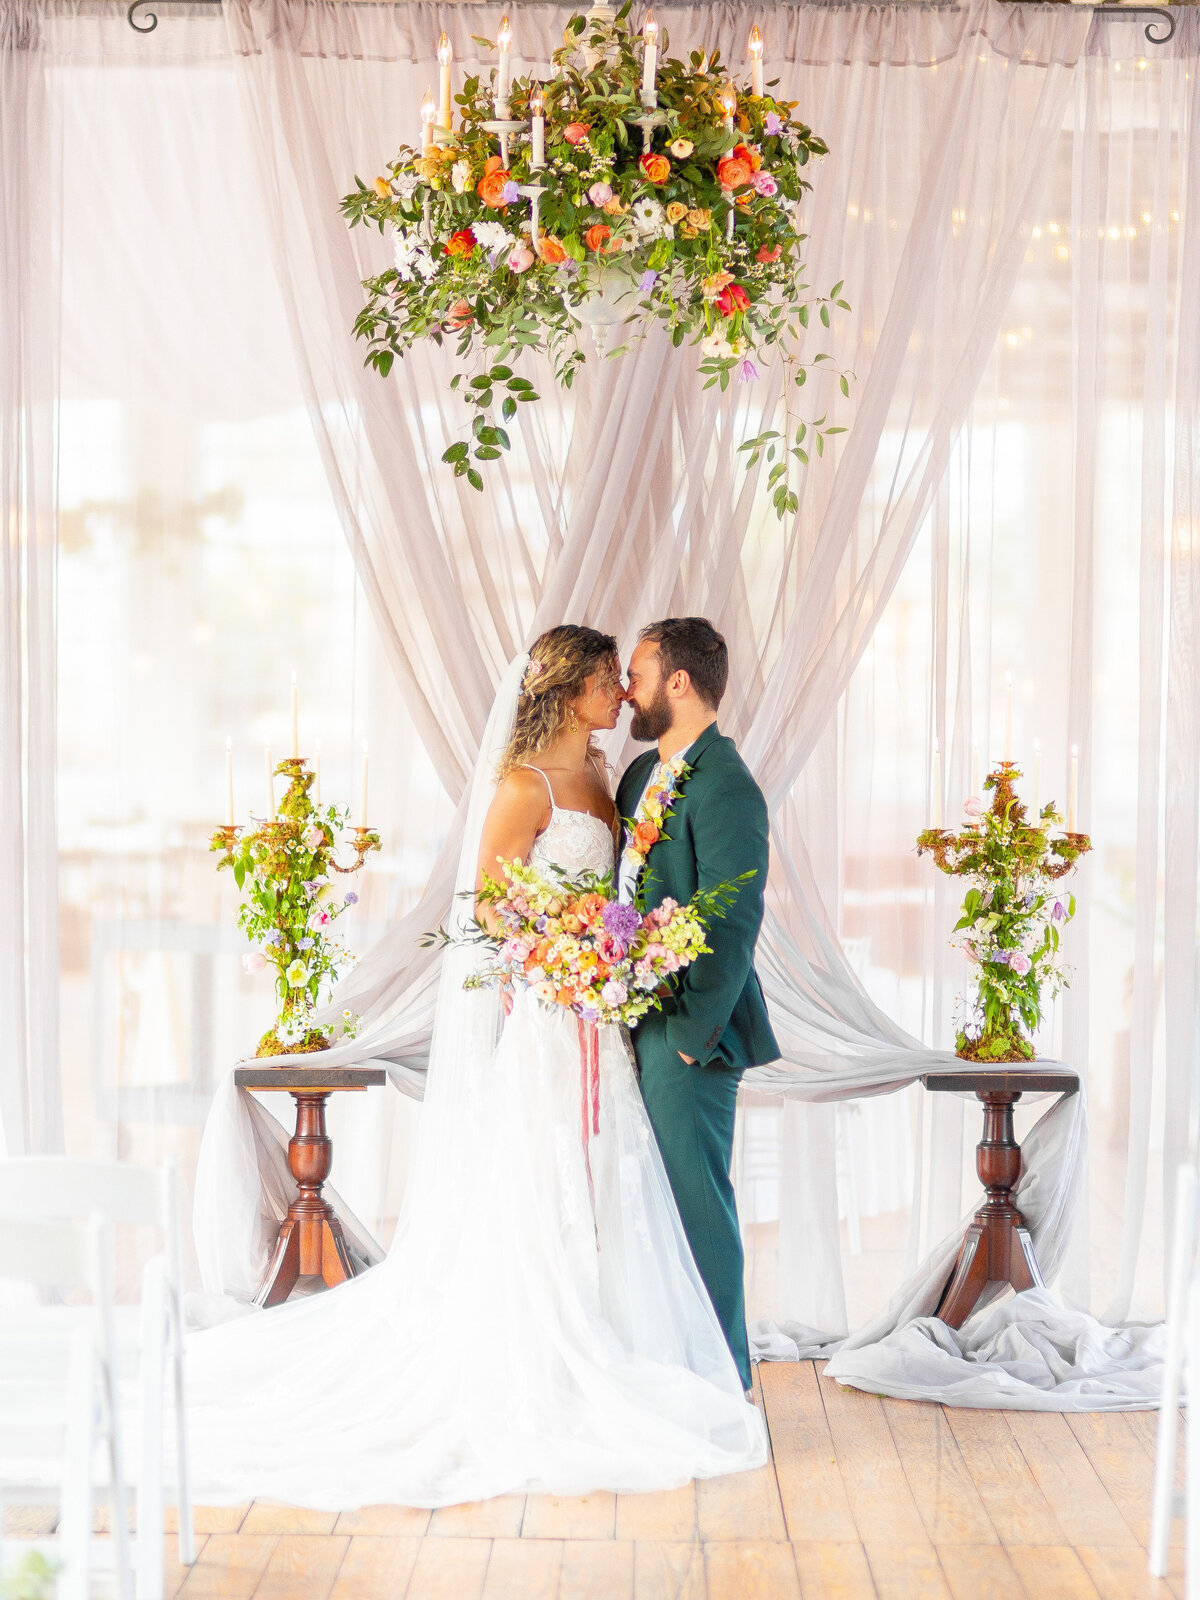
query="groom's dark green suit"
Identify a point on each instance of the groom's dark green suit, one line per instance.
(717, 1015)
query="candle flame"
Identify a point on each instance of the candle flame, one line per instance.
(445, 50)
(537, 102)
(650, 29)
(756, 44)
(504, 37)
(727, 98)
(229, 743)
(428, 108)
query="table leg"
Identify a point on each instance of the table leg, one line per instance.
(311, 1242)
(997, 1247)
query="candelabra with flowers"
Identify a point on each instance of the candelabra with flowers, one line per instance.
(283, 864)
(631, 190)
(1012, 913)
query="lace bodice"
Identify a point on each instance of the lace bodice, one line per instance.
(574, 841)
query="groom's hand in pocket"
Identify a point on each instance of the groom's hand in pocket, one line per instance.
(691, 1060)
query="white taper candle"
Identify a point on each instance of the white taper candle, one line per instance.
(537, 130)
(936, 784)
(649, 60)
(295, 718)
(270, 786)
(229, 782)
(317, 776)
(974, 769)
(428, 117)
(756, 61)
(504, 42)
(1073, 792)
(1037, 778)
(445, 55)
(362, 793)
(1008, 716)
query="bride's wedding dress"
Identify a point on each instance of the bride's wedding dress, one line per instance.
(538, 1323)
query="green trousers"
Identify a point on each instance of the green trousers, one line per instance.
(691, 1110)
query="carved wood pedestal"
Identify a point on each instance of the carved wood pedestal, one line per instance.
(997, 1247)
(310, 1242)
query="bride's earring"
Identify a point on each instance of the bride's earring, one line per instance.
(572, 720)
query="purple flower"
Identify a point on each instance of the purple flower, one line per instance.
(510, 193)
(747, 371)
(1059, 912)
(772, 125)
(622, 922)
(494, 255)
(303, 944)
(274, 937)
(541, 923)
(351, 899)
(648, 280)
(589, 1013)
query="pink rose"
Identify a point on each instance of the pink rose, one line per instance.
(575, 132)
(974, 806)
(764, 183)
(254, 962)
(600, 193)
(521, 259)
(614, 993)
(314, 836)
(1020, 962)
(609, 949)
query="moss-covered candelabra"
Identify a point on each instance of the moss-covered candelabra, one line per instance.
(283, 865)
(1012, 914)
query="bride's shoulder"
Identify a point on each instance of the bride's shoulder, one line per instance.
(523, 789)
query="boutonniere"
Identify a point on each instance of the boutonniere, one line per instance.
(645, 829)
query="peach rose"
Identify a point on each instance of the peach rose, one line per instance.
(645, 835)
(460, 314)
(655, 168)
(699, 219)
(521, 258)
(550, 249)
(575, 132)
(767, 255)
(733, 172)
(383, 188)
(675, 211)
(614, 207)
(590, 906)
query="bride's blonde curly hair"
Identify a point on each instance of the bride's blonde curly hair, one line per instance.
(560, 663)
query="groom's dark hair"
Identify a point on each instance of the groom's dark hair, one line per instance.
(692, 645)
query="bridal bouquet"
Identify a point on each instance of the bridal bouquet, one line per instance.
(575, 946)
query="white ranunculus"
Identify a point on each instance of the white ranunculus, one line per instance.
(716, 346)
(460, 176)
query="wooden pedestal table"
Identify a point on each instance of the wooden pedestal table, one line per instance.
(310, 1243)
(997, 1247)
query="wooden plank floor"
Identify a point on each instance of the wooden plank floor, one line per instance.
(865, 1499)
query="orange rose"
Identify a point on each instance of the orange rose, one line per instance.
(490, 187)
(461, 243)
(656, 169)
(590, 907)
(733, 172)
(550, 249)
(732, 300)
(460, 314)
(645, 834)
(745, 152)
(597, 237)
(564, 997)
(601, 975)
(383, 188)
(767, 255)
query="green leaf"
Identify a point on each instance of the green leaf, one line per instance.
(486, 452)
(509, 409)
(474, 479)
(456, 452)
(844, 385)
(824, 313)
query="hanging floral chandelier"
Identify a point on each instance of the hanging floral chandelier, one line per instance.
(632, 189)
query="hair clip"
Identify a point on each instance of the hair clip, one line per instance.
(532, 673)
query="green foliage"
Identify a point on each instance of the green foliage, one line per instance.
(467, 266)
(1012, 916)
(285, 872)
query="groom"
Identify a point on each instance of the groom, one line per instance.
(693, 1052)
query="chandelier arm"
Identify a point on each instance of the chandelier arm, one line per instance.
(1160, 18)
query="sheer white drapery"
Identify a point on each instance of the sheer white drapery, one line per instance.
(859, 798)
(30, 1105)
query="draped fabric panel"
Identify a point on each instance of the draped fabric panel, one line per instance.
(30, 1105)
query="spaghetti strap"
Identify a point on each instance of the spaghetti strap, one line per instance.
(528, 768)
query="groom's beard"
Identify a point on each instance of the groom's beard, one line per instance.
(652, 721)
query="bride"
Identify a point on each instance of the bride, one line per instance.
(538, 1324)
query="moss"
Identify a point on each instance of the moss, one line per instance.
(271, 1045)
(994, 1048)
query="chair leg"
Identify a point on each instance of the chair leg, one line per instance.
(1192, 1489)
(75, 1518)
(183, 1484)
(1187, 1206)
(151, 1552)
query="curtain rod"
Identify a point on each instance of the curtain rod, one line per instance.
(1161, 18)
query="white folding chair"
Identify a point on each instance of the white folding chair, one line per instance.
(1183, 1346)
(58, 1397)
(148, 1338)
